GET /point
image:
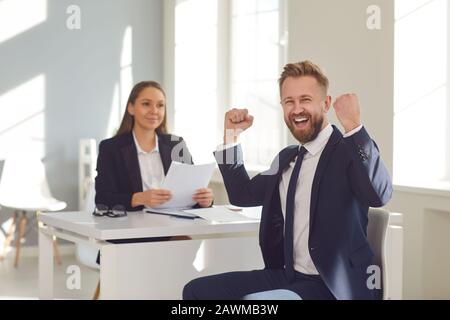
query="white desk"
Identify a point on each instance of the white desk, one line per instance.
(150, 270)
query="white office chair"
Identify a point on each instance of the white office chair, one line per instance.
(385, 236)
(24, 188)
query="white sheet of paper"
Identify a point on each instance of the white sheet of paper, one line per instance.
(225, 214)
(183, 180)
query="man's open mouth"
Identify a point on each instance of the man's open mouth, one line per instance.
(300, 122)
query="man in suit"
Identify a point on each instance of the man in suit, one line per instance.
(315, 198)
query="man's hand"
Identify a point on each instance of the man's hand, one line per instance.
(236, 121)
(348, 111)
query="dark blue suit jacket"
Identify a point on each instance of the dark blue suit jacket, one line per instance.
(118, 172)
(350, 178)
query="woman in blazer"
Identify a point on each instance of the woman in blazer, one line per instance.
(131, 165)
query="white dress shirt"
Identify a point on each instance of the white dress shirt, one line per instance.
(302, 259)
(150, 165)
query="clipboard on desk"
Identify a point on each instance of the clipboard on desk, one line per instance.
(177, 213)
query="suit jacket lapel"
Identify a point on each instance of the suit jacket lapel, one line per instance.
(129, 153)
(284, 162)
(322, 165)
(272, 220)
(282, 165)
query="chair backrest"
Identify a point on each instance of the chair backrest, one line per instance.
(89, 201)
(23, 181)
(376, 233)
(388, 255)
(87, 158)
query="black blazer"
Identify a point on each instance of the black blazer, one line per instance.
(349, 178)
(118, 172)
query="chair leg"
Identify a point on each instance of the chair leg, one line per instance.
(97, 291)
(56, 250)
(22, 225)
(9, 236)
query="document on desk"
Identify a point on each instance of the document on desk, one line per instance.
(183, 180)
(225, 214)
(178, 213)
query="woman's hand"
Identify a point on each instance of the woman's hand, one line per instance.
(151, 198)
(204, 197)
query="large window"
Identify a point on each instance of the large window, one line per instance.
(226, 54)
(196, 66)
(422, 117)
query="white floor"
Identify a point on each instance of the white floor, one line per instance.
(23, 282)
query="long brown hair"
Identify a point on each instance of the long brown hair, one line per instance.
(127, 124)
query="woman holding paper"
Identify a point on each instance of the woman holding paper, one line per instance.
(131, 165)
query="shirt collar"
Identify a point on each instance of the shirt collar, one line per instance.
(319, 143)
(140, 150)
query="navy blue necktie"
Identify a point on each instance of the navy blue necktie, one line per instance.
(289, 219)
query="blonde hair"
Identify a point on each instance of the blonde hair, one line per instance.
(302, 69)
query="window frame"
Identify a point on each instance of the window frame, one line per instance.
(224, 54)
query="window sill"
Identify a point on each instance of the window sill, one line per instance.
(440, 188)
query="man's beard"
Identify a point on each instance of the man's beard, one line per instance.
(303, 137)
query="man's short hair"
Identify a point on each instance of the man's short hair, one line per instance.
(302, 69)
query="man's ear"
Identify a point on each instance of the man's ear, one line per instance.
(130, 109)
(327, 104)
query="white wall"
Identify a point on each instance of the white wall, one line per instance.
(335, 36)
(81, 70)
(426, 222)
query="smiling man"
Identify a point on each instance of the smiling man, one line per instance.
(315, 198)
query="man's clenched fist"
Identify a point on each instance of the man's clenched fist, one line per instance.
(236, 121)
(348, 111)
